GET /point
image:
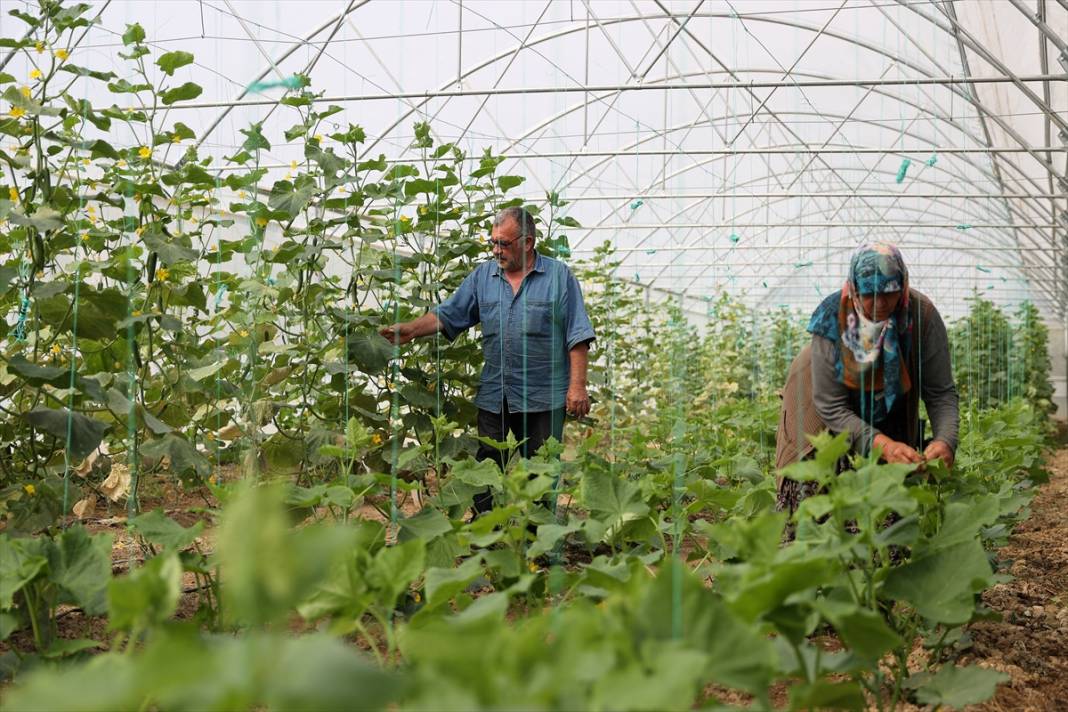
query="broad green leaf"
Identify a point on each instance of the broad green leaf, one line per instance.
(611, 498)
(199, 374)
(81, 566)
(480, 473)
(19, 564)
(395, 568)
(290, 198)
(369, 351)
(428, 524)
(956, 687)
(147, 595)
(107, 682)
(444, 583)
(549, 535)
(863, 630)
(184, 457)
(170, 61)
(85, 432)
(506, 183)
(942, 585)
(824, 694)
(185, 92)
(678, 605)
(134, 34)
(319, 673)
(159, 529)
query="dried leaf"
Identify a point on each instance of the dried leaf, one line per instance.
(85, 507)
(230, 432)
(118, 482)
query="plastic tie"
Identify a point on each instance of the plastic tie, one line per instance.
(290, 82)
(903, 169)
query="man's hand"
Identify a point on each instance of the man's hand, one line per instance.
(578, 401)
(398, 333)
(404, 332)
(898, 452)
(939, 450)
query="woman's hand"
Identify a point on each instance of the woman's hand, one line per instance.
(939, 450)
(896, 452)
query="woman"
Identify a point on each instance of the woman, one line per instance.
(877, 348)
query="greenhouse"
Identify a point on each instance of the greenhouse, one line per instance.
(533, 354)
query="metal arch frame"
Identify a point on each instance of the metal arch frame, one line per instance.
(1001, 245)
(965, 180)
(854, 41)
(981, 237)
(896, 98)
(711, 15)
(272, 66)
(654, 136)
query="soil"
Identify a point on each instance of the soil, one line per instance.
(1030, 643)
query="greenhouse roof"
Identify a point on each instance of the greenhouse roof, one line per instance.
(723, 145)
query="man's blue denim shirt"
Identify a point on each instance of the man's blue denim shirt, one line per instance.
(526, 337)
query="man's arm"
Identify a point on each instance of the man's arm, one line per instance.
(578, 400)
(407, 331)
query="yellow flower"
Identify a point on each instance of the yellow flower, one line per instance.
(17, 112)
(91, 209)
(422, 210)
(13, 195)
(292, 165)
(376, 439)
(139, 231)
(242, 194)
(25, 91)
(86, 161)
(176, 138)
(30, 490)
(35, 74)
(262, 222)
(61, 54)
(533, 567)
(405, 218)
(121, 163)
(144, 152)
(39, 46)
(56, 349)
(136, 312)
(85, 237)
(343, 189)
(416, 597)
(243, 333)
(162, 274)
(210, 437)
(319, 138)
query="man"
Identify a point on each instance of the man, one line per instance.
(535, 339)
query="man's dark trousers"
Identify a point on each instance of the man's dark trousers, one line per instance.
(534, 427)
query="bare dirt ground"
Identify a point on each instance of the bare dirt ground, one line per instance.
(1030, 643)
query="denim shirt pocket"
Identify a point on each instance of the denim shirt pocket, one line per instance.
(538, 318)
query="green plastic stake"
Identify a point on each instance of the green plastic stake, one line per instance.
(637, 204)
(734, 237)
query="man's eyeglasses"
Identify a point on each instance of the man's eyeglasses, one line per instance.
(503, 243)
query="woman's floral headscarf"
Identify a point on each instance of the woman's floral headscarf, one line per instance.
(869, 354)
